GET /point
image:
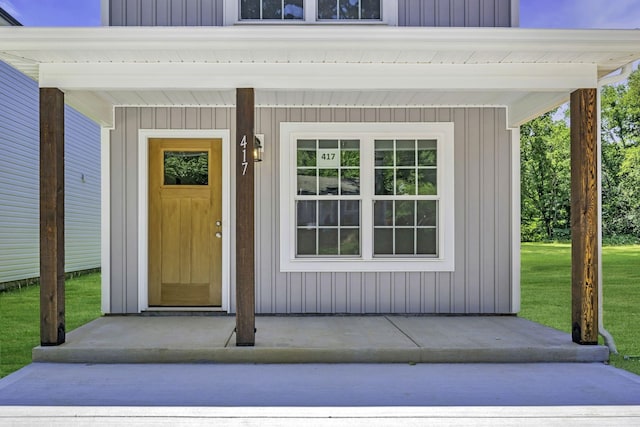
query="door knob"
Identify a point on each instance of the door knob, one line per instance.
(219, 235)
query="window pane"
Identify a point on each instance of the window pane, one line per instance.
(384, 153)
(427, 213)
(271, 9)
(327, 9)
(427, 154)
(306, 241)
(427, 181)
(350, 213)
(328, 181)
(307, 182)
(306, 153)
(306, 213)
(349, 241)
(427, 243)
(328, 212)
(349, 9)
(406, 182)
(293, 9)
(384, 181)
(328, 241)
(382, 241)
(250, 9)
(350, 182)
(383, 213)
(350, 156)
(405, 213)
(328, 143)
(405, 153)
(370, 9)
(404, 241)
(186, 168)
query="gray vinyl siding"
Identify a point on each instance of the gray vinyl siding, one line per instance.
(165, 13)
(481, 282)
(454, 13)
(412, 13)
(19, 182)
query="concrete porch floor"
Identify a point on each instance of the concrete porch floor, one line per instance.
(319, 339)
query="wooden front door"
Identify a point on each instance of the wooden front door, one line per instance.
(185, 222)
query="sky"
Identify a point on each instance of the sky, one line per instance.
(533, 13)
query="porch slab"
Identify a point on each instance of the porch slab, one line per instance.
(319, 339)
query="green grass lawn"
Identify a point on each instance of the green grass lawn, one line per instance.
(546, 293)
(20, 318)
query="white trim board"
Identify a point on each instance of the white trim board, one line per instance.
(143, 207)
(105, 219)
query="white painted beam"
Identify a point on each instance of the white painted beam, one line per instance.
(318, 76)
(92, 106)
(533, 105)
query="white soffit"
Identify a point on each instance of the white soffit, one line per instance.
(529, 70)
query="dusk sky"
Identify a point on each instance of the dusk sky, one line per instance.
(533, 13)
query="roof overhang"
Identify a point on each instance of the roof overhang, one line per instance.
(527, 70)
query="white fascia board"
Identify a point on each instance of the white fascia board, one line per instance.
(314, 76)
(92, 106)
(359, 37)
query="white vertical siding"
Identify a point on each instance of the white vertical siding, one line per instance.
(480, 284)
(19, 182)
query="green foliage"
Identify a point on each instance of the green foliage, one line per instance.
(545, 169)
(20, 312)
(546, 293)
(186, 168)
(545, 178)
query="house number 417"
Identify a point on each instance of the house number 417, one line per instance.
(245, 163)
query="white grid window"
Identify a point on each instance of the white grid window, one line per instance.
(366, 197)
(312, 11)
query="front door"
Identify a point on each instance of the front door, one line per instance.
(185, 222)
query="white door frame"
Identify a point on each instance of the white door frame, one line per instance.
(143, 208)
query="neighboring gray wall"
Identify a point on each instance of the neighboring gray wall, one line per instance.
(425, 13)
(481, 283)
(166, 12)
(19, 182)
(454, 13)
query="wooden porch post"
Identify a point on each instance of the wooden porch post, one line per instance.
(245, 252)
(52, 299)
(584, 216)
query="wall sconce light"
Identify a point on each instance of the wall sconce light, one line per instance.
(258, 148)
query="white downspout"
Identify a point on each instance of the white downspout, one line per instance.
(607, 80)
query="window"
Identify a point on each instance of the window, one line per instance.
(186, 168)
(366, 197)
(313, 11)
(271, 9)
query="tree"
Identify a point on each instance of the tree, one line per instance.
(545, 178)
(621, 157)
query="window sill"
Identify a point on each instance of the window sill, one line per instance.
(376, 265)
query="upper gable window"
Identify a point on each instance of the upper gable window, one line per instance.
(317, 11)
(271, 9)
(348, 9)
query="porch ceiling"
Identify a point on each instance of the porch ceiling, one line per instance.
(529, 71)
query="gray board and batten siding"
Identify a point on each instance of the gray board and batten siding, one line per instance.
(412, 13)
(481, 283)
(19, 182)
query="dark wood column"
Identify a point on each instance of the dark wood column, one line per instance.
(52, 300)
(584, 216)
(245, 253)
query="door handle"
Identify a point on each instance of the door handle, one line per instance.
(219, 235)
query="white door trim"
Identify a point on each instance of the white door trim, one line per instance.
(143, 206)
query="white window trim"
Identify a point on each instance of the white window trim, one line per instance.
(291, 132)
(389, 16)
